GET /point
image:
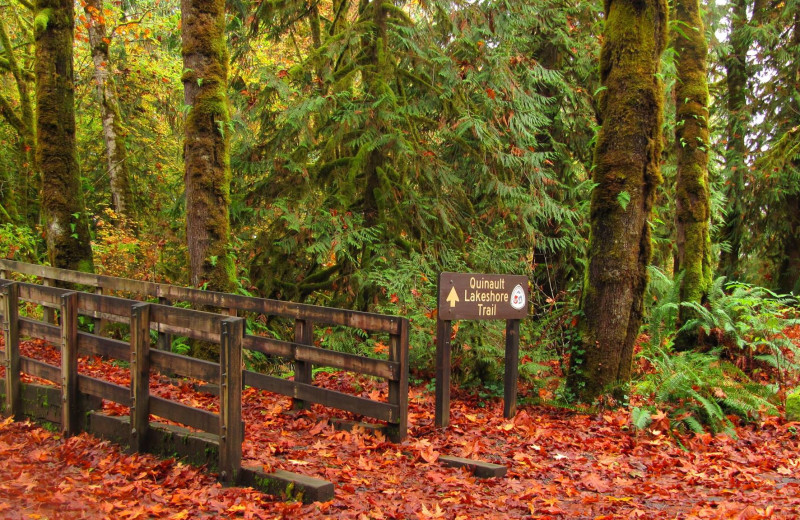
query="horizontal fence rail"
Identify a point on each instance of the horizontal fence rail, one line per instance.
(224, 329)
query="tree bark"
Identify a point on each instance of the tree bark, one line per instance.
(692, 205)
(116, 150)
(789, 268)
(207, 174)
(736, 148)
(67, 229)
(626, 173)
(20, 199)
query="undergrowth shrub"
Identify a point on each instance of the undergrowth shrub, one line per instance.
(21, 243)
(736, 372)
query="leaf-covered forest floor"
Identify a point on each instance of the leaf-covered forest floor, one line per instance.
(562, 464)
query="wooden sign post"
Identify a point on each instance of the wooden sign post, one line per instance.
(467, 296)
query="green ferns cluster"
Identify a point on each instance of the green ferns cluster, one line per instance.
(702, 391)
(740, 329)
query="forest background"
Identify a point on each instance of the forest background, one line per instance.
(343, 153)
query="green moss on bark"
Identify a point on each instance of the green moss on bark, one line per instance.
(692, 205)
(626, 161)
(207, 172)
(67, 229)
(793, 405)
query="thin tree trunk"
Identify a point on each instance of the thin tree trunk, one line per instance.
(736, 148)
(692, 205)
(116, 152)
(67, 229)
(789, 269)
(627, 172)
(207, 174)
(22, 197)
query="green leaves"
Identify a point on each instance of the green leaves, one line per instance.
(623, 198)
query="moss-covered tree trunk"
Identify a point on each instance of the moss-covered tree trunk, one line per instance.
(692, 204)
(19, 200)
(736, 148)
(113, 134)
(66, 225)
(626, 170)
(207, 173)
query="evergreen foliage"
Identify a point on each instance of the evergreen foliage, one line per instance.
(432, 134)
(744, 331)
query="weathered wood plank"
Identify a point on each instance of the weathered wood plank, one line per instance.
(350, 403)
(357, 319)
(185, 366)
(41, 369)
(230, 402)
(180, 413)
(69, 364)
(11, 355)
(49, 312)
(202, 335)
(140, 375)
(269, 346)
(287, 485)
(93, 345)
(443, 369)
(97, 387)
(479, 468)
(398, 387)
(104, 307)
(512, 369)
(41, 294)
(164, 338)
(303, 335)
(350, 362)
(191, 321)
(40, 330)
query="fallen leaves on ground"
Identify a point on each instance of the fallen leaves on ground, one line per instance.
(562, 464)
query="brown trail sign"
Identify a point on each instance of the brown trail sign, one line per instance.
(470, 296)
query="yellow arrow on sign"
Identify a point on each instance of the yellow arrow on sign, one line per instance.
(452, 297)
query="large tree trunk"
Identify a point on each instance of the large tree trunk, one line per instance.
(116, 152)
(626, 170)
(207, 173)
(67, 229)
(736, 149)
(692, 205)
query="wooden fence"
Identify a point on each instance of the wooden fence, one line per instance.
(226, 329)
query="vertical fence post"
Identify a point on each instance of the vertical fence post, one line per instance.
(303, 334)
(231, 432)
(11, 360)
(398, 390)
(442, 408)
(100, 323)
(164, 338)
(512, 369)
(69, 364)
(48, 314)
(140, 375)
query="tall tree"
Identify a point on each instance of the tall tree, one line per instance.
(692, 206)
(21, 191)
(113, 133)
(736, 148)
(67, 229)
(773, 212)
(626, 173)
(207, 173)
